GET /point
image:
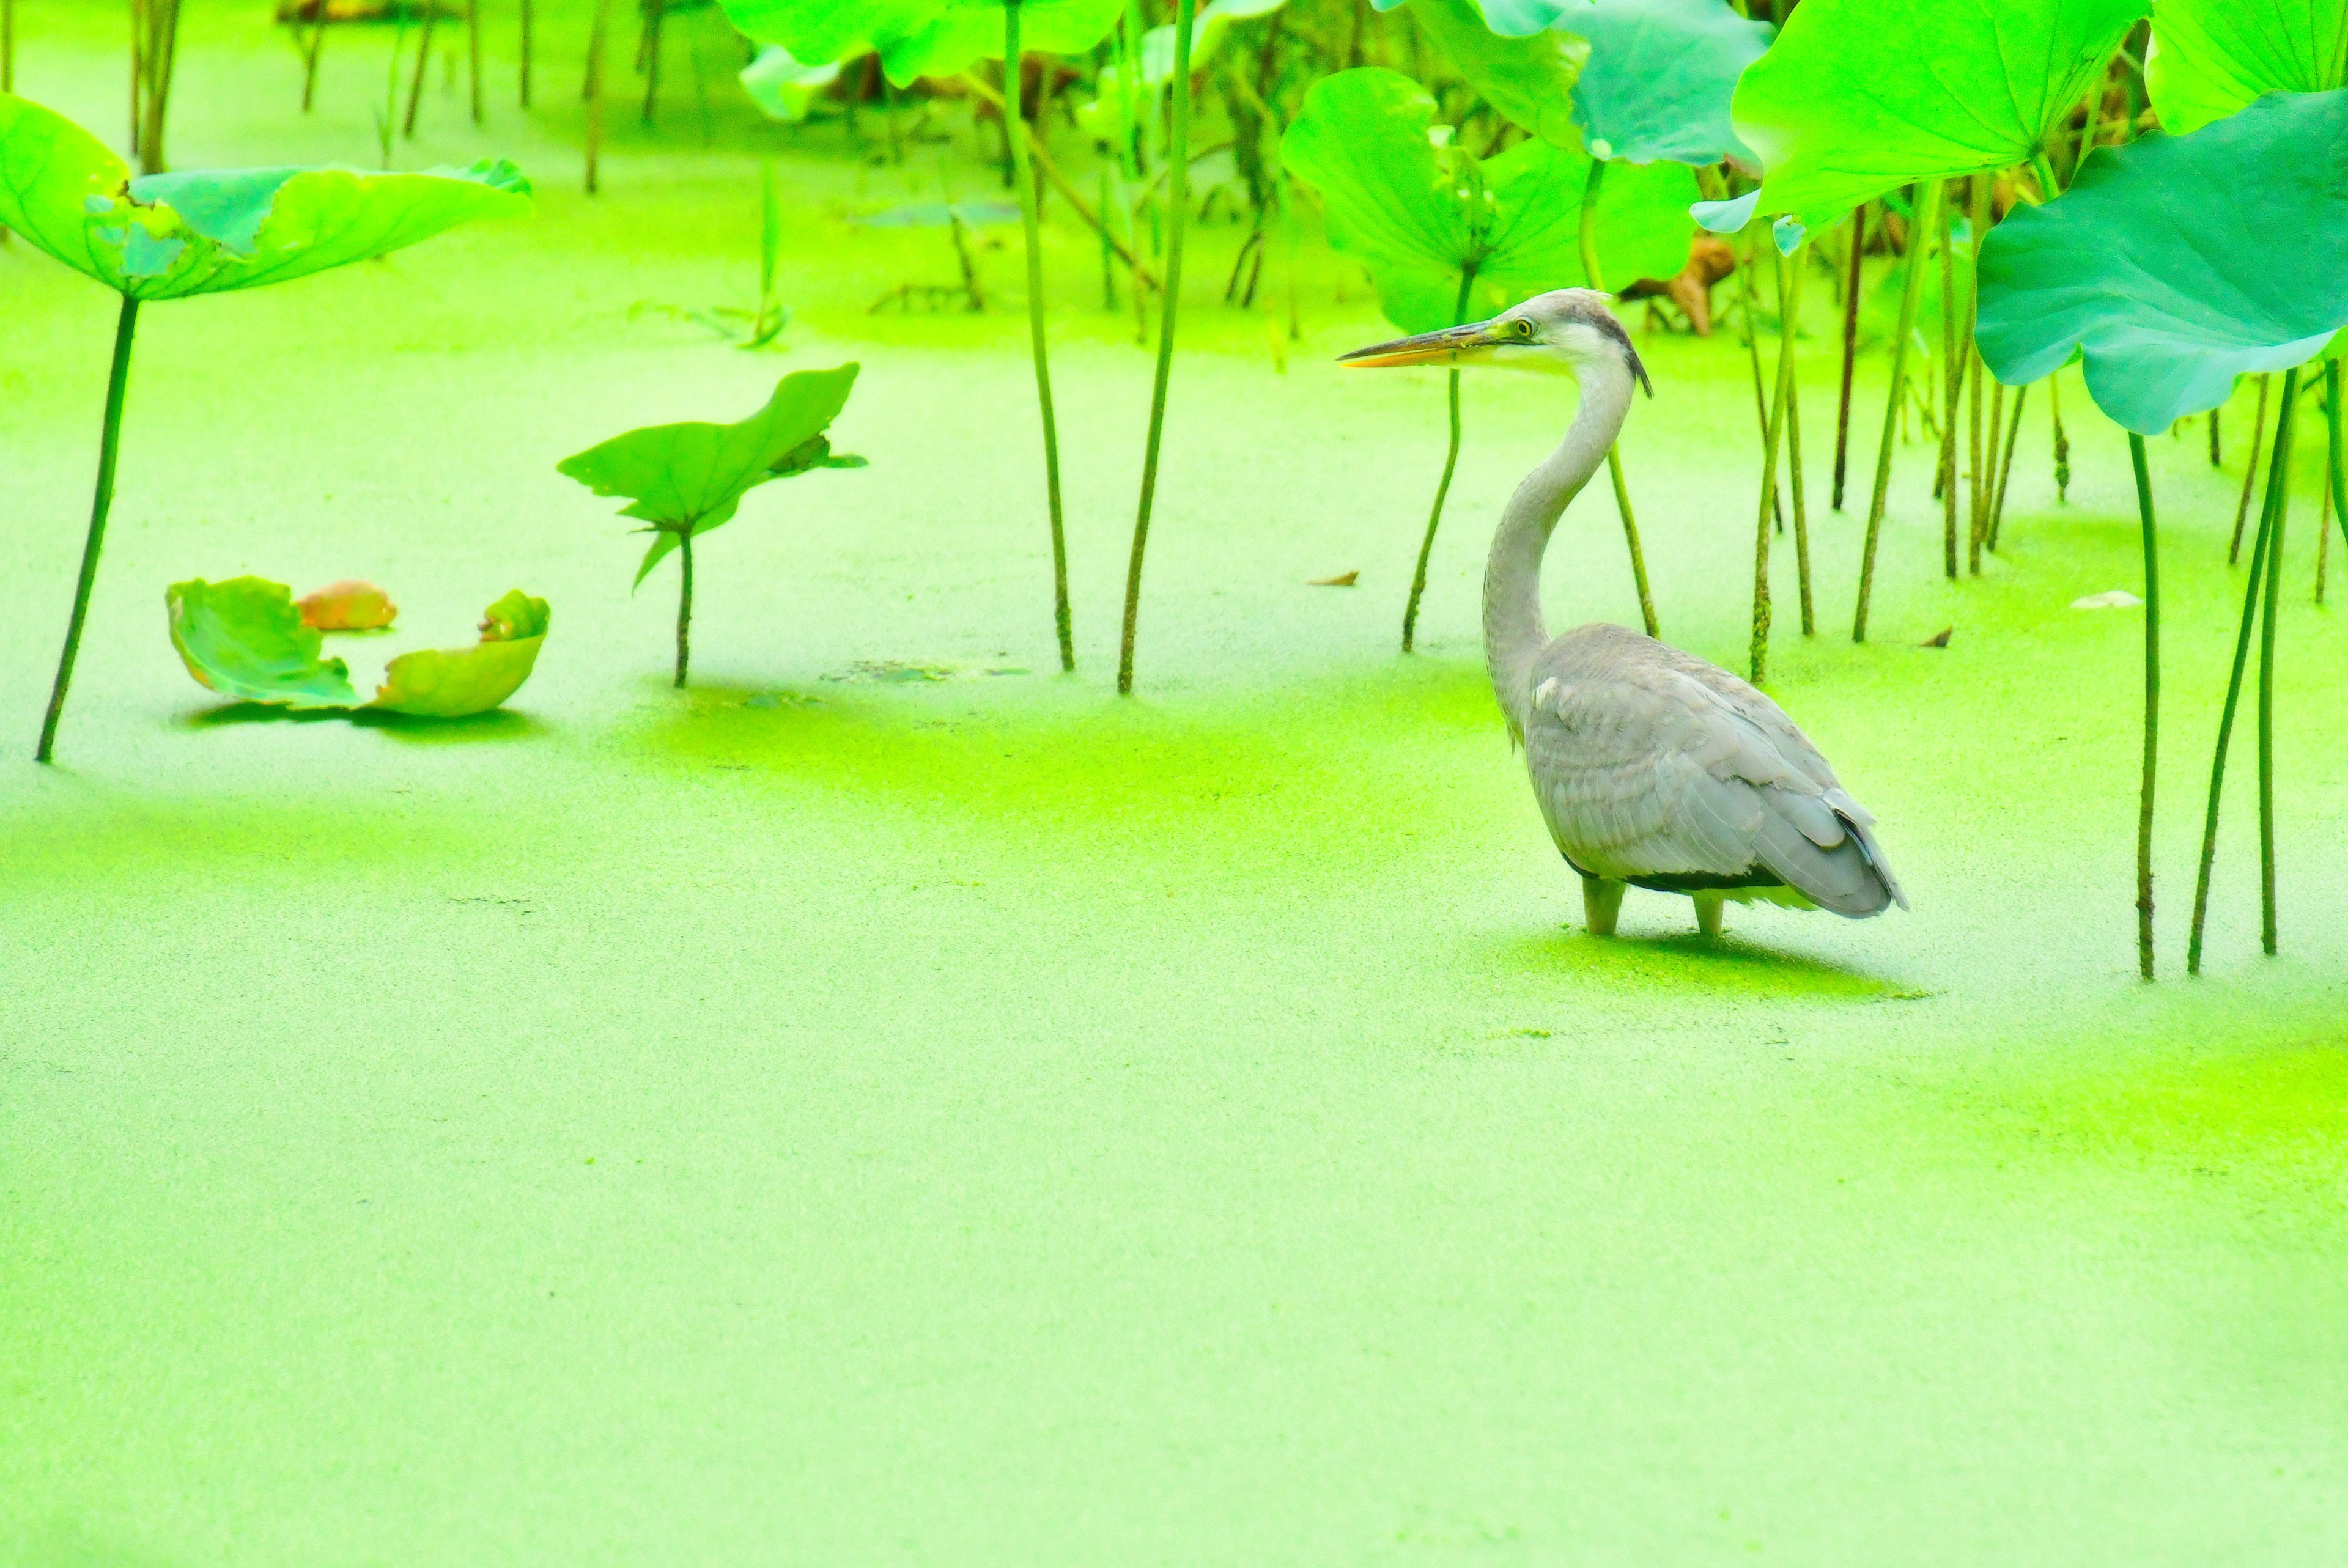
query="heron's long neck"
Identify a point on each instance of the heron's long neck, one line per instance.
(1514, 634)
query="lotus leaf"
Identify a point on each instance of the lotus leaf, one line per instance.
(782, 87)
(167, 236)
(458, 682)
(1859, 96)
(689, 478)
(1660, 75)
(1418, 214)
(1530, 79)
(2177, 263)
(2210, 58)
(245, 638)
(920, 37)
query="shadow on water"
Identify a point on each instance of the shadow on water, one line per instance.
(498, 724)
(1693, 964)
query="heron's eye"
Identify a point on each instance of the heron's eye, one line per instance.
(1521, 327)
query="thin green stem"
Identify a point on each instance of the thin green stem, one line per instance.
(1788, 308)
(2277, 477)
(2332, 432)
(1443, 486)
(1976, 479)
(683, 605)
(109, 443)
(2151, 708)
(2265, 726)
(1178, 198)
(1908, 294)
(1595, 277)
(1014, 91)
(2005, 466)
(2250, 471)
(1850, 347)
(1953, 380)
(1790, 284)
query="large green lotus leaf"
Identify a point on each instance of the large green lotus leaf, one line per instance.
(457, 682)
(167, 236)
(1859, 96)
(2177, 263)
(921, 37)
(1529, 79)
(1416, 214)
(245, 638)
(689, 479)
(2210, 58)
(1660, 75)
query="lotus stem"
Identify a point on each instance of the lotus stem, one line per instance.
(1986, 487)
(423, 58)
(2266, 725)
(596, 32)
(1594, 275)
(1179, 200)
(1908, 294)
(2217, 453)
(2005, 468)
(8, 46)
(473, 55)
(109, 443)
(2278, 479)
(1014, 120)
(2249, 470)
(1976, 487)
(1753, 346)
(683, 605)
(2151, 708)
(1953, 381)
(2062, 442)
(1443, 486)
(2338, 488)
(528, 27)
(1850, 347)
(1790, 285)
(1792, 302)
(309, 56)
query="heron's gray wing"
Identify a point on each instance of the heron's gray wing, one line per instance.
(1646, 768)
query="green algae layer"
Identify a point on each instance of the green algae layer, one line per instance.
(889, 1104)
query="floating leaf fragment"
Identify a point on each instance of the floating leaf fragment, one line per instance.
(2114, 599)
(244, 638)
(458, 682)
(1939, 639)
(1342, 580)
(350, 605)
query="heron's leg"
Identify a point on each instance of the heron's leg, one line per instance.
(1601, 902)
(1708, 909)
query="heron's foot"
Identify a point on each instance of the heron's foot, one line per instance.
(1709, 909)
(1602, 901)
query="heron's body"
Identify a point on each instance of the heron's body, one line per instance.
(1652, 767)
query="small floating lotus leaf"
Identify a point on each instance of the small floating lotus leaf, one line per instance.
(690, 478)
(167, 236)
(1859, 96)
(1660, 75)
(1416, 214)
(244, 638)
(920, 37)
(2210, 58)
(2177, 263)
(457, 684)
(348, 605)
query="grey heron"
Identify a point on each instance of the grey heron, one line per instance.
(1652, 768)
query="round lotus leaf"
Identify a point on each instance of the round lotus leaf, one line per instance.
(2177, 263)
(2210, 58)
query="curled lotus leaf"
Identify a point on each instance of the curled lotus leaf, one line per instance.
(2177, 262)
(458, 682)
(245, 638)
(783, 88)
(168, 236)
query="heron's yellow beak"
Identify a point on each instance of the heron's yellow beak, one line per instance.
(1452, 345)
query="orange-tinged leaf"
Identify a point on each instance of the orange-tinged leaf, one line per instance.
(350, 605)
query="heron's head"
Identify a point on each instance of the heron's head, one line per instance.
(1566, 329)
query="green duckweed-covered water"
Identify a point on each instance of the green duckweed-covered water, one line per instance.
(890, 1103)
